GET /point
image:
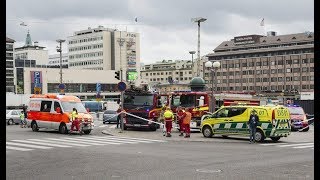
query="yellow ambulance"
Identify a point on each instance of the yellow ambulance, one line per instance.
(232, 120)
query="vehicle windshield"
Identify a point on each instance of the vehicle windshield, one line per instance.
(7, 111)
(138, 100)
(110, 112)
(295, 110)
(183, 100)
(68, 106)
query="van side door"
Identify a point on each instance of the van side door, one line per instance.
(45, 115)
(238, 118)
(220, 120)
(56, 117)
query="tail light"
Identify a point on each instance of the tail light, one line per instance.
(273, 118)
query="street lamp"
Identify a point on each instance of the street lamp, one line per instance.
(59, 49)
(192, 53)
(213, 68)
(198, 20)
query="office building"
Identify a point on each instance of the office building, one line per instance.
(9, 65)
(272, 63)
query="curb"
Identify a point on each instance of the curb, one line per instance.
(107, 133)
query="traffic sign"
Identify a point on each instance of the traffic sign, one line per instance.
(98, 87)
(62, 86)
(122, 86)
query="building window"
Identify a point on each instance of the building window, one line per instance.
(304, 86)
(251, 80)
(273, 71)
(288, 70)
(288, 79)
(265, 79)
(237, 80)
(258, 63)
(280, 62)
(274, 79)
(231, 80)
(265, 71)
(280, 79)
(251, 64)
(305, 69)
(295, 70)
(258, 80)
(311, 69)
(258, 72)
(296, 78)
(273, 63)
(244, 72)
(311, 61)
(265, 63)
(305, 61)
(305, 78)
(146, 74)
(231, 73)
(244, 80)
(224, 81)
(288, 61)
(244, 64)
(311, 78)
(296, 61)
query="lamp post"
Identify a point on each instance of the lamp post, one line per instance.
(121, 42)
(198, 20)
(59, 49)
(192, 53)
(213, 68)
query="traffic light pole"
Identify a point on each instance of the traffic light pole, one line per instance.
(122, 99)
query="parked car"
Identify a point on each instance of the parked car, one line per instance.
(298, 118)
(13, 116)
(109, 116)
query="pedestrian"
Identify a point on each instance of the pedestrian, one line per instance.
(22, 120)
(119, 117)
(252, 124)
(168, 117)
(161, 120)
(75, 121)
(186, 122)
(181, 113)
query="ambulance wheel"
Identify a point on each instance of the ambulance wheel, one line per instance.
(63, 128)
(207, 132)
(224, 136)
(34, 126)
(306, 129)
(259, 136)
(87, 131)
(275, 139)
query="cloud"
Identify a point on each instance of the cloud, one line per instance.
(165, 26)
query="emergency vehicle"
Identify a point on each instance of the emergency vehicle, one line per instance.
(143, 103)
(53, 111)
(232, 120)
(197, 101)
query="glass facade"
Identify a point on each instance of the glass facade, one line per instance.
(81, 88)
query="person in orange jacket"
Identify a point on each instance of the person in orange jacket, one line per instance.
(186, 123)
(181, 113)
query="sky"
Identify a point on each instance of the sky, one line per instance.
(165, 26)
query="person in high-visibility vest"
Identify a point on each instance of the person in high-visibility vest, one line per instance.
(181, 113)
(23, 121)
(168, 117)
(186, 122)
(75, 121)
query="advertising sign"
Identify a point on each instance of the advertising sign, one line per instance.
(132, 76)
(36, 81)
(242, 40)
(34, 105)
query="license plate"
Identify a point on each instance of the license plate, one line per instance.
(137, 125)
(193, 124)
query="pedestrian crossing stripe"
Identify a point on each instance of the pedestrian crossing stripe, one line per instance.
(291, 145)
(67, 142)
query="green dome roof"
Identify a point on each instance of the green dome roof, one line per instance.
(196, 81)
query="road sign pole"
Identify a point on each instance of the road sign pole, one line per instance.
(121, 100)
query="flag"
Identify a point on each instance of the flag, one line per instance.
(136, 19)
(262, 22)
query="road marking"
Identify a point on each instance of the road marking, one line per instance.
(91, 142)
(118, 140)
(58, 141)
(302, 144)
(142, 139)
(125, 140)
(112, 126)
(273, 144)
(105, 140)
(40, 143)
(18, 149)
(28, 145)
(103, 125)
(302, 147)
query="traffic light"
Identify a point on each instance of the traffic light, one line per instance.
(117, 76)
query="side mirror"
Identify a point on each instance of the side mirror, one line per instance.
(58, 110)
(88, 110)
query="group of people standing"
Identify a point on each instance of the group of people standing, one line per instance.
(183, 119)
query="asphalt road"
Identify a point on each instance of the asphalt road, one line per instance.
(97, 156)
